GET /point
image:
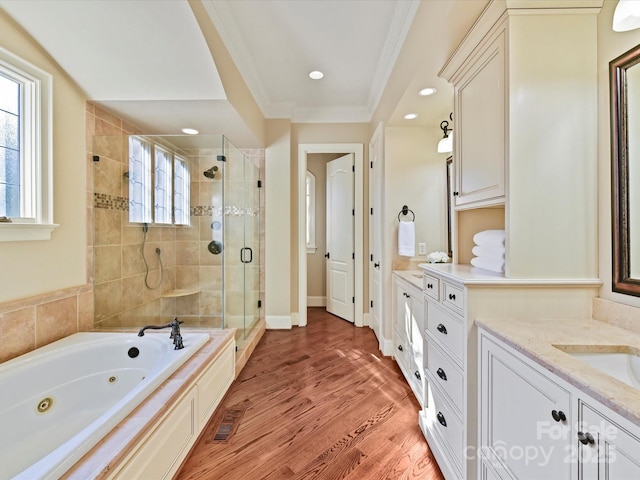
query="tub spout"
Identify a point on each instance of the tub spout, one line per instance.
(175, 332)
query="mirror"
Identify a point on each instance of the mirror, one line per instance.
(625, 174)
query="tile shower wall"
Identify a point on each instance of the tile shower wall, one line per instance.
(190, 286)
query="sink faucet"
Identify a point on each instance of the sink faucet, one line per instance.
(175, 332)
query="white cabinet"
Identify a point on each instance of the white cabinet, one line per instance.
(526, 417)
(535, 425)
(480, 127)
(408, 328)
(606, 448)
(443, 418)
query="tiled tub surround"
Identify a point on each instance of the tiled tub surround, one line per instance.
(82, 385)
(115, 449)
(536, 339)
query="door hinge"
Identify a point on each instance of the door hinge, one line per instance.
(371, 164)
(353, 168)
(222, 158)
(353, 256)
(371, 257)
(96, 158)
(259, 303)
(259, 183)
(371, 303)
(353, 212)
(353, 299)
(371, 210)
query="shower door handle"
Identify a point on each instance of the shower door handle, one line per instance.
(242, 256)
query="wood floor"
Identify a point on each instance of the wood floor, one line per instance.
(318, 402)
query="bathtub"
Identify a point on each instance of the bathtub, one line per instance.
(58, 401)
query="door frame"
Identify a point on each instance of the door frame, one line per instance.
(357, 149)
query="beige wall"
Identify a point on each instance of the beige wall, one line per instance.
(35, 267)
(610, 45)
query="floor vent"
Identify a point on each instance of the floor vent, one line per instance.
(223, 426)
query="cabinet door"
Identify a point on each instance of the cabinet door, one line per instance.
(525, 416)
(403, 309)
(479, 129)
(606, 450)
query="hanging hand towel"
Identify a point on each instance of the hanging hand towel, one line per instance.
(406, 239)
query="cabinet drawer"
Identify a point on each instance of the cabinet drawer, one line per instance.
(447, 330)
(453, 297)
(443, 419)
(401, 350)
(431, 286)
(446, 375)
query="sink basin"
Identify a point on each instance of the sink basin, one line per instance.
(624, 366)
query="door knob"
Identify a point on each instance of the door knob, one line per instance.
(376, 265)
(326, 255)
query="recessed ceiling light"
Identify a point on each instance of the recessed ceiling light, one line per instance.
(190, 131)
(427, 91)
(316, 74)
(410, 116)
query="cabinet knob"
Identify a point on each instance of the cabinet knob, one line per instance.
(417, 374)
(400, 348)
(452, 296)
(441, 419)
(441, 328)
(376, 265)
(441, 374)
(558, 415)
(429, 285)
(455, 194)
(586, 438)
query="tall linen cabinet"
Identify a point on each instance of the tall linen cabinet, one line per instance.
(525, 123)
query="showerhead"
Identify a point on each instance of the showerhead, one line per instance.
(211, 173)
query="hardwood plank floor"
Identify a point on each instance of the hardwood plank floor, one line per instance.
(318, 402)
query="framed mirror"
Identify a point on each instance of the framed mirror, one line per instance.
(624, 80)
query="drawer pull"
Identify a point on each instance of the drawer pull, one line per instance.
(586, 438)
(443, 375)
(400, 348)
(442, 329)
(558, 415)
(429, 285)
(441, 419)
(452, 296)
(417, 374)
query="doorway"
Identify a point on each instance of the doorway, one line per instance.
(358, 261)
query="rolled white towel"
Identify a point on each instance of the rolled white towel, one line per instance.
(486, 251)
(490, 238)
(487, 264)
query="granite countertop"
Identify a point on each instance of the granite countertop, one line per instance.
(536, 339)
(412, 276)
(115, 446)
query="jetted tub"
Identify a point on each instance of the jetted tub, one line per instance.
(58, 401)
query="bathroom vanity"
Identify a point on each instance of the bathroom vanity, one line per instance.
(548, 410)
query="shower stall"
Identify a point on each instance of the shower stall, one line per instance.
(177, 224)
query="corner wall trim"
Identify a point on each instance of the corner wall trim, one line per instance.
(316, 301)
(278, 322)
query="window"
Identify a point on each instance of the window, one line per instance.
(26, 187)
(311, 212)
(168, 201)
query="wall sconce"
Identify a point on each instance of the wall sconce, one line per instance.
(445, 145)
(626, 16)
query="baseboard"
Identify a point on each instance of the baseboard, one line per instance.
(295, 319)
(365, 320)
(316, 301)
(278, 322)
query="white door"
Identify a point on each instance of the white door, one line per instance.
(340, 248)
(376, 150)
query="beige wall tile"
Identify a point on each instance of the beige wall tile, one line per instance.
(56, 320)
(108, 261)
(108, 226)
(18, 332)
(85, 311)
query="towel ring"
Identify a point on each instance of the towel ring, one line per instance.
(405, 211)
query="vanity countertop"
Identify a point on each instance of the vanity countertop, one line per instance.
(413, 276)
(536, 339)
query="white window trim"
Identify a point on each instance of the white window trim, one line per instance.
(311, 214)
(41, 225)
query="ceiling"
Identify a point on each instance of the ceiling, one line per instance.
(149, 60)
